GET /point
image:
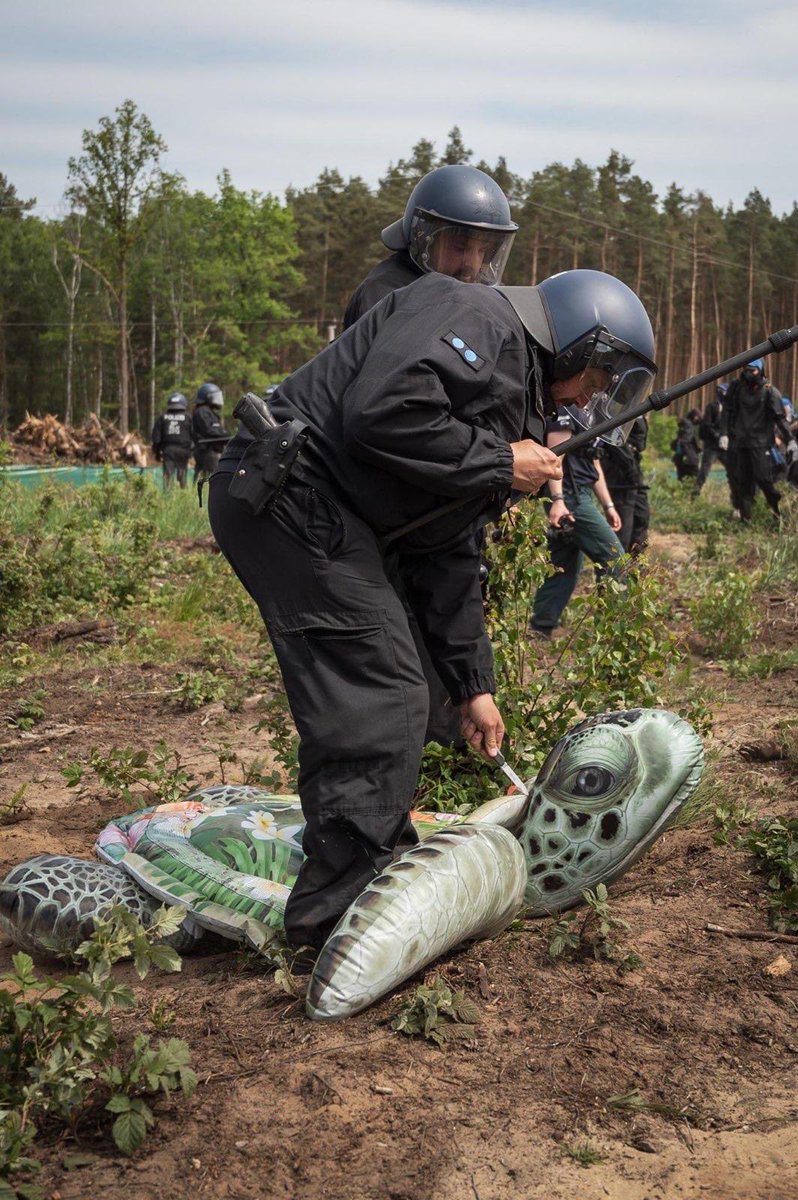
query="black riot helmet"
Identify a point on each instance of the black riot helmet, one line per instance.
(457, 221)
(177, 402)
(590, 323)
(209, 393)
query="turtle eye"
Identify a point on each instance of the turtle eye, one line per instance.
(593, 781)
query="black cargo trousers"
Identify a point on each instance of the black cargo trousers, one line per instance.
(175, 463)
(353, 681)
(749, 466)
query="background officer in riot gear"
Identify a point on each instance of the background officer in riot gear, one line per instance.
(457, 221)
(433, 399)
(623, 474)
(752, 415)
(171, 439)
(709, 432)
(208, 434)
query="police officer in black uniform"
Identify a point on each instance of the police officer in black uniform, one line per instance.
(752, 415)
(457, 221)
(429, 400)
(171, 440)
(710, 433)
(208, 434)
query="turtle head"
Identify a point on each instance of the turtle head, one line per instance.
(604, 794)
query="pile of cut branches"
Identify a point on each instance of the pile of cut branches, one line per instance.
(95, 441)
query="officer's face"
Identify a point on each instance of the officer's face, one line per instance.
(580, 389)
(459, 254)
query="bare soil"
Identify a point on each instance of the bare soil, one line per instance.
(286, 1108)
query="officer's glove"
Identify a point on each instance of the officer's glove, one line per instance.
(791, 451)
(723, 443)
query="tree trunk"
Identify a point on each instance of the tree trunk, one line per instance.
(3, 380)
(749, 324)
(152, 361)
(535, 253)
(124, 386)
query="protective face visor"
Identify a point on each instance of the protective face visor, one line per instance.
(217, 400)
(616, 380)
(470, 253)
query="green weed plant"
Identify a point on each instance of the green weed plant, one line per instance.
(437, 1013)
(62, 1060)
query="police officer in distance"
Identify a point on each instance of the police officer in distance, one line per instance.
(457, 222)
(171, 440)
(429, 399)
(752, 415)
(208, 434)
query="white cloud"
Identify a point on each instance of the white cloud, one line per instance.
(276, 92)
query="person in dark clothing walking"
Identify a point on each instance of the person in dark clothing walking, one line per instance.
(752, 415)
(457, 222)
(207, 432)
(623, 473)
(686, 450)
(171, 440)
(709, 432)
(428, 400)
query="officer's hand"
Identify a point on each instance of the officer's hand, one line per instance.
(560, 514)
(533, 465)
(723, 443)
(791, 452)
(613, 520)
(481, 724)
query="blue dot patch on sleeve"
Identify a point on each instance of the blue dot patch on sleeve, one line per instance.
(465, 352)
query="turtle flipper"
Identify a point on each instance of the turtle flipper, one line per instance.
(464, 883)
(48, 904)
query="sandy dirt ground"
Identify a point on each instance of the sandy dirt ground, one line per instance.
(288, 1109)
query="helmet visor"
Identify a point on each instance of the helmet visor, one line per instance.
(616, 381)
(470, 253)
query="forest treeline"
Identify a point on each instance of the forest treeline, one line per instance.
(143, 286)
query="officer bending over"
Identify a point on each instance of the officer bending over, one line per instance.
(752, 415)
(171, 440)
(429, 399)
(457, 221)
(209, 435)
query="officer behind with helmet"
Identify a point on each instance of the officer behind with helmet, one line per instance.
(752, 415)
(171, 440)
(710, 433)
(208, 434)
(428, 400)
(457, 222)
(623, 474)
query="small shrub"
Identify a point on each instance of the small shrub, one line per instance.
(164, 778)
(725, 614)
(62, 1058)
(29, 711)
(573, 935)
(585, 1154)
(774, 843)
(197, 688)
(437, 1013)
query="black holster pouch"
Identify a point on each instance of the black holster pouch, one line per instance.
(268, 462)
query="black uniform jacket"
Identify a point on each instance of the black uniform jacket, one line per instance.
(172, 431)
(752, 416)
(416, 405)
(395, 272)
(206, 428)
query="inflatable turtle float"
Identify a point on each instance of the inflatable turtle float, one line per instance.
(230, 855)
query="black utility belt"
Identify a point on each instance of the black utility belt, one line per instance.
(269, 461)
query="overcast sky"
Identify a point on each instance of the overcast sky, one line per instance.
(701, 92)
